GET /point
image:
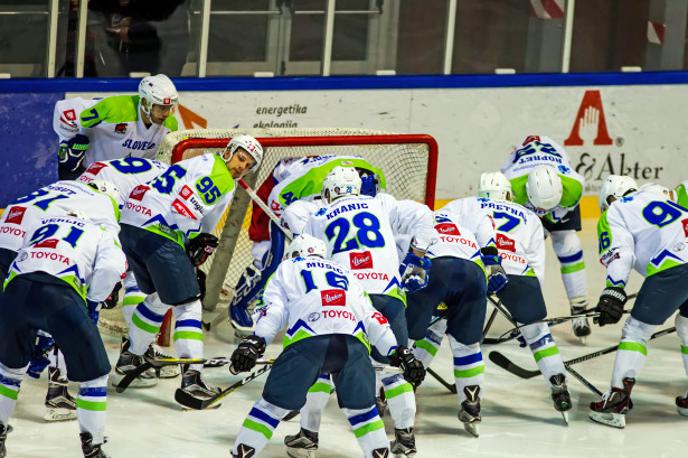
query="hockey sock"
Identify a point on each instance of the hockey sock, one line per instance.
(10, 381)
(368, 429)
(469, 366)
(544, 349)
(257, 429)
(426, 349)
(133, 296)
(632, 352)
(567, 245)
(188, 332)
(316, 400)
(401, 401)
(146, 322)
(682, 331)
(91, 406)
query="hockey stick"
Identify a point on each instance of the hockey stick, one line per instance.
(153, 363)
(506, 364)
(493, 315)
(450, 386)
(187, 400)
(220, 361)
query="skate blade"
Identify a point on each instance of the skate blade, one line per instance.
(682, 411)
(472, 428)
(170, 371)
(59, 415)
(300, 453)
(565, 416)
(615, 420)
(583, 340)
(137, 383)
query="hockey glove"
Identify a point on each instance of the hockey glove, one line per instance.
(611, 305)
(415, 272)
(39, 357)
(247, 353)
(113, 299)
(70, 157)
(201, 247)
(496, 275)
(413, 369)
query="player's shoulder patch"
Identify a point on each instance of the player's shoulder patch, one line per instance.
(321, 211)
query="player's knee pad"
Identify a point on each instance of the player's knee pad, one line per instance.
(534, 332)
(153, 303)
(637, 331)
(271, 409)
(567, 245)
(459, 349)
(94, 383)
(682, 328)
(189, 310)
(12, 374)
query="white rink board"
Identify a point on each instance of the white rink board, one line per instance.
(476, 128)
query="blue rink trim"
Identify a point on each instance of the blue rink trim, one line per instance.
(469, 359)
(260, 415)
(93, 391)
(363, 417)
(301, 83)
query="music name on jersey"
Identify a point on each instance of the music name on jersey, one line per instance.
(347, 208)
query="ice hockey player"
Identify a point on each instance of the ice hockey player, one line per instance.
(520, 241)
(292, 179)
(644, 231)
(330, 328)
(58, 199)
(682, 193)
(64, 262)
(115, 127)
(166, 234)
(543, 180)
(359, 232)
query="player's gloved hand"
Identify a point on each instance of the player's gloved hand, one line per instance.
(94, 310)
(415, 272)
(246, 354)
(70, 157)
(611, 305)
(496, 275)
(201, 247)
(113, 299)
(413, 369)
(39, 357)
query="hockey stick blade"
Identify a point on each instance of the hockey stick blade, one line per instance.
(506, 364)
(187, 400)
(153, 363)
(450, 386)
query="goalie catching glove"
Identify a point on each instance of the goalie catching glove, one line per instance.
(611, 305)
(246, 354)
(496, 275)
(415, 272)
(413, 369)
(201, 247)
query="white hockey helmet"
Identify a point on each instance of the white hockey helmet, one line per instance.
(613, 188)
(306, 245)
(106, 188)
(248, 144)
(157, 90)
(340, 182)
(660, 190)
(494, 185)
(544, 188)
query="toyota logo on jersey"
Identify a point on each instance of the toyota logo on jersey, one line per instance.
(15, 215)
(333, 297)
(447, 228)
(361, 260)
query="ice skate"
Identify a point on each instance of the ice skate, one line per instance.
(682, 404)
(128, 362)
(404, 443)
(90, 449)
(469, 414)
(61, 405)
(4, 430)
(196, 387)
(581, 326)
(244, 451)
(560, 395)
(302, 445)
(381, 453)
(154, 352)
(612, 408)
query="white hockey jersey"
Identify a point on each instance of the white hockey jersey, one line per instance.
(312, 296)
(644, 231)
(517, 231)
(537, 151)
(126, 173)
(359, 232)
(83, 255)
(187, 199)
(56, 199)
(66, 116)
(682, 193)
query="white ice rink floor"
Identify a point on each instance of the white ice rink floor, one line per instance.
(518, 417)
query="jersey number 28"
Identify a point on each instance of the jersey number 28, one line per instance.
(367, 234)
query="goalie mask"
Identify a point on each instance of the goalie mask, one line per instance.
(340, 182)
(370, 182)
(615, 187)
(494, 185)
(306, 245)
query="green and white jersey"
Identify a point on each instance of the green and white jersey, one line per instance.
(536, 152)
(682, 193)
(644, 231)
(80, 253)
(187, 199)
(302, 179)
(115, 130)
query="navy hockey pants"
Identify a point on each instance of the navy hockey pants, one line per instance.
(522, 297)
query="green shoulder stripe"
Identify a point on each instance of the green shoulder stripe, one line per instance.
(171, 123)
(115, 109)
(573, 191)
(682, 195)
(518, 188)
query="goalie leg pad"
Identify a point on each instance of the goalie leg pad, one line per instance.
(91, 406)
(632, 352)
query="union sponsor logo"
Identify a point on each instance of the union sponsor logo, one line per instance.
(121, 128)
(47, 243)
(179, 207)
(685, 226)
(333, 297)
(95, 168)
(138, 192)
(380, 318)
(362, 260)
(505, 243)
(447, 228)
(15, 215)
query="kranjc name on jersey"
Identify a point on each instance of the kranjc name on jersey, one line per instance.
(115, 130)
(56, 199)
(544, 151)
(312, 296)
(302, 179)
(80, 253)
(187, 199)
(359, 233)
(125, 174)
(644, 231)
